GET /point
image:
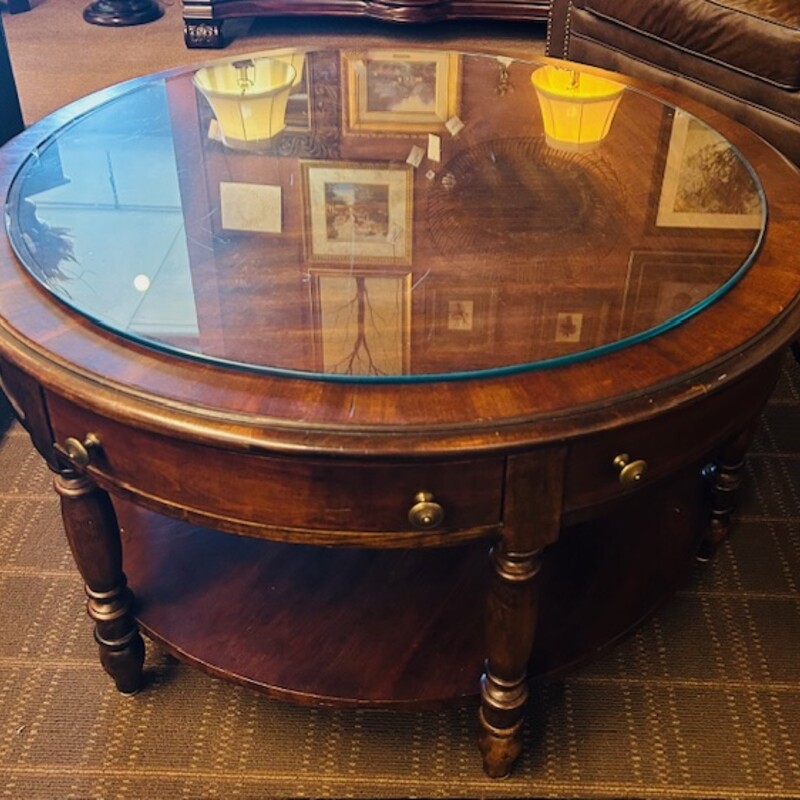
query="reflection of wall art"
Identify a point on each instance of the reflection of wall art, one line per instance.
(572, 320)
(463, 319)
(357, 212)
(704, 183)
(569, 326)
(250, 207)
(362, 322)
(660, 286)
(403, 91)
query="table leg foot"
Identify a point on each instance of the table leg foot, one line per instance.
(121, 646)
(725, 479)
(501, 718)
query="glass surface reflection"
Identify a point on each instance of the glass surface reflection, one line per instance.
(411, 221)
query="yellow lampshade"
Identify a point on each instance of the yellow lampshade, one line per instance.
(248, 98)
(296, 59)
(577, 108)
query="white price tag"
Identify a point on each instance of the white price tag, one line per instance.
(454, 125)
(415, 156)
(434, 147)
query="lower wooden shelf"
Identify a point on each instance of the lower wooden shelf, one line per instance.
(395, 628)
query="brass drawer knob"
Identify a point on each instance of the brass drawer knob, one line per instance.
(81, 451)
(630, 472)
(425, 513)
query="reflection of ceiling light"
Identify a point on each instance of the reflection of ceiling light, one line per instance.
(248, 98)
(577, 108)
(141, 283)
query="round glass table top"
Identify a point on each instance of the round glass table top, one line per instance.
(385, 215)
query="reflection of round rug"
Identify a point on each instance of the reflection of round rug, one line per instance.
(514, 195)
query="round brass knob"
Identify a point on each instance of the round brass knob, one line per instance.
(80, 451)
(425, 513)
(630, 472)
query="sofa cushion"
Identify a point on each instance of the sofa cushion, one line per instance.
(735, 33)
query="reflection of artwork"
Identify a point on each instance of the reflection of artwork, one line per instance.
(571, 321)
(358, 212)
(660, 286)
(568, 326)
(705, 183)
(406, 87)
(250, 207)
(460, 315)
(463, 319)
(413, 90)
(361, 322)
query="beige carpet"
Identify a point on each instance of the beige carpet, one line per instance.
(702, 702)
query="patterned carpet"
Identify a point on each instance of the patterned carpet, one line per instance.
(703, 701)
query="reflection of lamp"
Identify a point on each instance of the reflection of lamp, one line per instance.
(248, 98)
(295, 59)
(577, 108)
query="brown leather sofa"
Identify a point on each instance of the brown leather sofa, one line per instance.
(739, 56)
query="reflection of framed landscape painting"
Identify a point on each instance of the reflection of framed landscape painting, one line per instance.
(357, 212)
(662, 285)
(362, 322)
(402, 91)
(704, 183)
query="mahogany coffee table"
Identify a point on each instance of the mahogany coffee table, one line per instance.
(297, 391)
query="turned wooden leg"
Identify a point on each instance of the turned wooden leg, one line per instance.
(725, 479)
(511, 623)
(93, 534)
(531, 521)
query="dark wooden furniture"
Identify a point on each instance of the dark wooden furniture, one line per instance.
(516, 350)
(204, 20)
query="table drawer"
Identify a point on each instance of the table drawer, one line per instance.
(281, 492)
(674, 440)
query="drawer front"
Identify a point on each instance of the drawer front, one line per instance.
(281, 492)
(674, 440)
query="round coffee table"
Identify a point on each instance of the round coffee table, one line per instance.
(443, 306)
